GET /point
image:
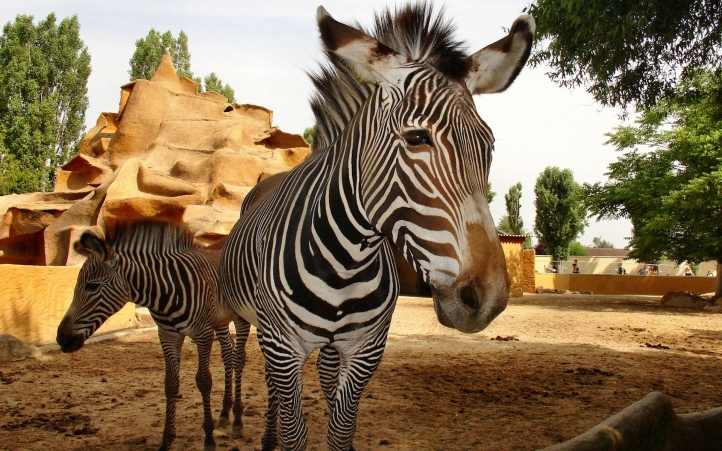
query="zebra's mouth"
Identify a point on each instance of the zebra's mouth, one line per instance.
(70, 342)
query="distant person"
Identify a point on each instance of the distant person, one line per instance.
(575, 267)
(688, 271)
(643, 271)
(710, 274)
(620, 269)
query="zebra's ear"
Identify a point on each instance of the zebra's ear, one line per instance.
(90, 244)
(369, 59)
(495, 67)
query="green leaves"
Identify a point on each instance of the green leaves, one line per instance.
(672, 193)
(44, 71)
(213, 83)
(512, 222)
(560, 213)
(626, 51)
(149, 53)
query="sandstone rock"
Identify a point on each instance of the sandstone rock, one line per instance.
(169, 152)
(12, 349)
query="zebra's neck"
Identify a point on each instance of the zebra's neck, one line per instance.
(151, 279)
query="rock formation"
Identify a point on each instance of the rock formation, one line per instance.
(169, 152)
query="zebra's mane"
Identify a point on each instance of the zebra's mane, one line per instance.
(414, 31)
(148, 236)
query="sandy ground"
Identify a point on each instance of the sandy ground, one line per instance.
(569, 362)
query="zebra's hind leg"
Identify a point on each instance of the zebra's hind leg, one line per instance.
(224, 339)
(328, 363)
(239, 361)
(204, 382)
(171, 343)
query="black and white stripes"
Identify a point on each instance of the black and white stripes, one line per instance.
(155, 265)
(401, 158)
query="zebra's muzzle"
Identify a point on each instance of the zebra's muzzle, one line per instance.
(468, 309)
(70, 342)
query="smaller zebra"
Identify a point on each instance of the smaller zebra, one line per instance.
(156, 265)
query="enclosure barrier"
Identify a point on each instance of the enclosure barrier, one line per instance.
(33, 300)
(626, 284)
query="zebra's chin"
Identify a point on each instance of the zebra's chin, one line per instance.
(466, 309)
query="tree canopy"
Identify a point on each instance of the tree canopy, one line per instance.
(669, 180)
(211, 82)
(600, 243)
(150, 50)
(512, 222)
(560, 213)
(44, 71)
(626, 51)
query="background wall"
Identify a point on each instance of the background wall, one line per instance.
(627, 284)
(33, 300)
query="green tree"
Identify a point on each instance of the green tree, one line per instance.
(512, 222)
(44, 71)
(149, 52)
(599, 243)
(673, 193)
(213, 83)
(560, 213)
(490, 195)
(576, 249)
(626, 51)
(308, 135)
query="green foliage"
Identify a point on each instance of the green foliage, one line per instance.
(599, 243)
(490, 195)
(308, 135)
(560, 212)
(213, 83)
(44, 71)
(512, 221)
(626, 51)
(149, 52)
(673, 193)
(577, 250)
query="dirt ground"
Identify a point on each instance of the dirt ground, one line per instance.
(568, 362)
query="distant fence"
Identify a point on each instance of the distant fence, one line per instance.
(626, 284)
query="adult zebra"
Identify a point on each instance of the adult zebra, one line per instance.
(401, 158)
(156, 265)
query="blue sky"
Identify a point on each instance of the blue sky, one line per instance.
(263, 48)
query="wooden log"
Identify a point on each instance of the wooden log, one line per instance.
(651, 425)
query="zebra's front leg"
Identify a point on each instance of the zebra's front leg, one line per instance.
(204, 382)
(328, 364)
(239, 361)
(355, 373)
(171, 343)
(227, 351)
(284, 375)
(269, 441)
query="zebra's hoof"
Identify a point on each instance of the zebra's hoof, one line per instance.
(237, 431)
(222, 422)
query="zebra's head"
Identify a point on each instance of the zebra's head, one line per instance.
(99, 293)
(425, 152)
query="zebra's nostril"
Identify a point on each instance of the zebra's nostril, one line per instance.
(469, 298)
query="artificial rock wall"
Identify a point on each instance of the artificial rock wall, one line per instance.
(169, 152)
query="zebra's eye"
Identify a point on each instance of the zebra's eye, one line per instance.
(417, 138)
(92, 286)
